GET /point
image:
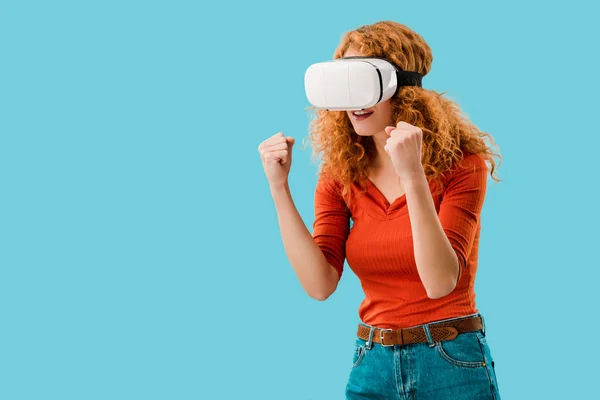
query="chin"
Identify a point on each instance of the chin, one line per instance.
(366, 130)
(363, 133)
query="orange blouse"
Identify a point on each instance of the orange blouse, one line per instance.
(379, 249)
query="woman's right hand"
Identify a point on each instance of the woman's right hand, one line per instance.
(276, 155)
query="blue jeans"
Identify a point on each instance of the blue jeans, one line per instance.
(462, 368)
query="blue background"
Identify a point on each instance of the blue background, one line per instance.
(140, 253)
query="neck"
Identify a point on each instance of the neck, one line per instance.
(383, 162)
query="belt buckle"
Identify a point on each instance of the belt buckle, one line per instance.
(381, 337)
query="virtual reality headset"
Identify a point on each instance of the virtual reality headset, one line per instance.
(355, 83)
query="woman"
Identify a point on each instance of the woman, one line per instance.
(411, 174)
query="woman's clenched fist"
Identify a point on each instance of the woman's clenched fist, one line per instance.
(404, 148)
(276, 156)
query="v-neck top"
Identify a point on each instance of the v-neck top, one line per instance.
(378, 244)
(379, 199)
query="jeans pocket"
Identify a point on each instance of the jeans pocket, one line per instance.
(462, 351)
(359, 353)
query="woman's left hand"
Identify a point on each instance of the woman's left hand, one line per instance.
(404, 147)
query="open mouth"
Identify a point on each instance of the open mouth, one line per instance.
(359, 115)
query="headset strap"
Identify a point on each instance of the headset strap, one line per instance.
(407, 78)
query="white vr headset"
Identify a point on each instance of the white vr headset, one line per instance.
(355, 83)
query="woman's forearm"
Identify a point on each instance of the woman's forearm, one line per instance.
(318, 278)
(436, 260)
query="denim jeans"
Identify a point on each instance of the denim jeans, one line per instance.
(462, 368)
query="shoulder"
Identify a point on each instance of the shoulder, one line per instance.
(331, 190)
(471, 162)
(470, 170)
(326, 182)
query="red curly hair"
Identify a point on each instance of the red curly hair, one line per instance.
(447, 133)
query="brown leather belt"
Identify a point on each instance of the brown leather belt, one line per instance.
(439, 331)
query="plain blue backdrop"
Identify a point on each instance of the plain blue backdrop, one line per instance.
(140, 254)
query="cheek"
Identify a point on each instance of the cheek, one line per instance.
(388, 113)
(385, 113)
(385, 118)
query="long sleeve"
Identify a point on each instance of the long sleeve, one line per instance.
(380, 246)
(461, 205)
(332, 222)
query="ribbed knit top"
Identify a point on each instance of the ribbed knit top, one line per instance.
(379, 248)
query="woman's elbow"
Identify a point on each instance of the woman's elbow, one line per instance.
(322, 296)
(323, 291)
(440, 291)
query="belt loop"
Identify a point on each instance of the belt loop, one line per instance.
(428, 334)
(482, 323)
(369, 343)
